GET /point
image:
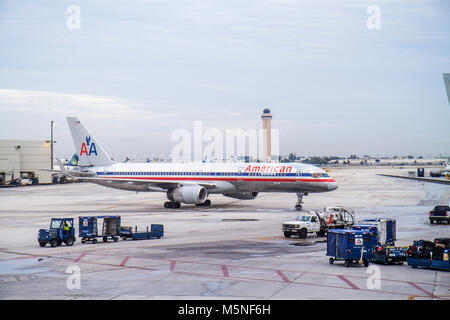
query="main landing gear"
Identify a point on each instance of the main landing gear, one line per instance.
(207, 203)
(172, 204)
(298, 205)
(177, 205)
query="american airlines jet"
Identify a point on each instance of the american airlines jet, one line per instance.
(191, 183)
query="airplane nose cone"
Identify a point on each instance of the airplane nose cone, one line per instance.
(332, 186)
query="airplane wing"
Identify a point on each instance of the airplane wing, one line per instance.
(50, 170)
(152, 185)
(157, 185)
(433, 180)
(61, 168)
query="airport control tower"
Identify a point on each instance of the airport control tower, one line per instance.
(447, 85)
(266, 117)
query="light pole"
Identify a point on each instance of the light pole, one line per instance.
(52, 123)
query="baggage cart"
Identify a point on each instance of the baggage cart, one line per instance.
(349, 246)
(417, 262)
(443, 264)
(422, 254)
(389, 255)
(156, 231)
(89, 228)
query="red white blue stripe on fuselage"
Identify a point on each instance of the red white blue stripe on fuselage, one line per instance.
(219, 176)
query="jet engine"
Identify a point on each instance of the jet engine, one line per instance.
(188, 194)
(245, 195)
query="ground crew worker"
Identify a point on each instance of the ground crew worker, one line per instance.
(66, 227)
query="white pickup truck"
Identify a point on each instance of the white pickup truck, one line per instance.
(303, 224)
(318, 222)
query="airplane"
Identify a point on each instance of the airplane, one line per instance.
(73, 162)
(191, 183)
(441, 172)
(60, 167)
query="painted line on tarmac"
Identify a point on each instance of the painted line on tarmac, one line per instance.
(256, 279)
(124, 261)
(351, 284)
(282, 276)
(225, 271)
(269, 269)
(421, 289)
(428, 294)
(81, 256)
(173, 264)
(107, 208)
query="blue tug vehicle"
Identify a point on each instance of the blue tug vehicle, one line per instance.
(61, 230)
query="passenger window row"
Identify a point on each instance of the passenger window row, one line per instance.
(250, 174)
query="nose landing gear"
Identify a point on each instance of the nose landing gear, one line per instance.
(298, 205)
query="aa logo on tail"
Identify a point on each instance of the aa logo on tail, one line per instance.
(84, 145)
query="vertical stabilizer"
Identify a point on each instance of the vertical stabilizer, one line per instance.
(90, 152)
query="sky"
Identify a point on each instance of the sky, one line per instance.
(135, 71)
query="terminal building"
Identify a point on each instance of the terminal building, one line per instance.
(22, 159)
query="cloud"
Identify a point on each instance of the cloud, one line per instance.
(82, 105)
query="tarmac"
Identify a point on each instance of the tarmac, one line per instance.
(233, 250)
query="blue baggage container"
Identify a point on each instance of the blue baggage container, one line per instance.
(349, 246)
(89, 228)
(371, 230)
(157, 231)
(386, 229)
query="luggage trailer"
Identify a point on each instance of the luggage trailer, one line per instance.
(349, 246)
(432, 255)
(431, 263)
(156, 231)
(89, 228)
